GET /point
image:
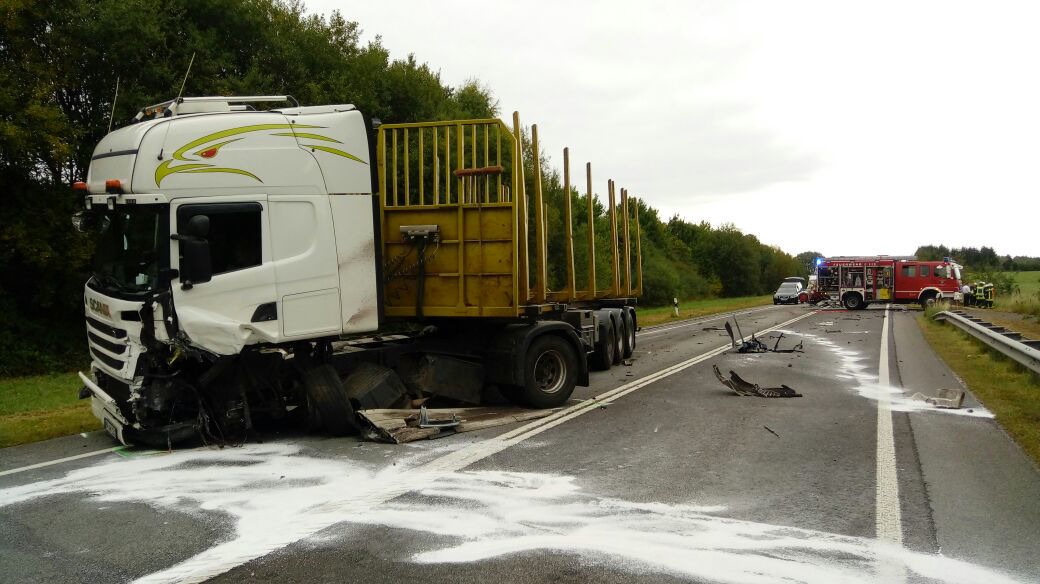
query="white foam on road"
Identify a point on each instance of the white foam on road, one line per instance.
(274, 495)
(853, 366)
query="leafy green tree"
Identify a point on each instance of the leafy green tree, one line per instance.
(59, 64)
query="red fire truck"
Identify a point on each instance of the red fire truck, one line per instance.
(859, 281)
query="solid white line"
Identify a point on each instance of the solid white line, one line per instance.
(58, 461)
(216, 561)
(887, 513)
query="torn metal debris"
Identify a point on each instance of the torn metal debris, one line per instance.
(795, 349)
(406, 425)
(751, 345)
(754, 345)
(745, 388)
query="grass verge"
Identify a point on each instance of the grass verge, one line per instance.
(41, 407)
(1009, 391)
(698, 308)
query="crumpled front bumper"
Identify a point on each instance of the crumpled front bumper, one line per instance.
(104, 408)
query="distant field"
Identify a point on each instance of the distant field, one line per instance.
(1029, 282)
(1027, 301)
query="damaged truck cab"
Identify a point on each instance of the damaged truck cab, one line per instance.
(298, 262)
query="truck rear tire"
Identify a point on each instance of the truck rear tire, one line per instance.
(630, 333)
(853, 301)
(328, 402)
(619, 340)
(550, 372)
(603, 355)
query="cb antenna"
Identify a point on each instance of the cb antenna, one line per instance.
(112, 113)
(183, 83)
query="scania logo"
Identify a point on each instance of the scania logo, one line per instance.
(99, 307)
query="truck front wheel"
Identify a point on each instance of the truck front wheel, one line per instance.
(927, 300)
(329, 406)
(550, 372)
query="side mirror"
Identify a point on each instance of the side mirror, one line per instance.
(196, 264)
(198, 226)
(196, 267)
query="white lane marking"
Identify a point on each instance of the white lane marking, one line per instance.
(887, 513)
(220, 559)
(58, 461)
(701, 320)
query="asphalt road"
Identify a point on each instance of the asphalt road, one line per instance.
(669, 477)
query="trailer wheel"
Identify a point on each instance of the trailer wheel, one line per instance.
(328, 403)
(619, 342)
(628, 334)
(629, 317)
(603, 356)
(853, 301)
(550, 372)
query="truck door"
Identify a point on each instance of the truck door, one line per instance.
(237, 305)
(907, 284)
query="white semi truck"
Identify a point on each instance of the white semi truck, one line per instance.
(308, 261)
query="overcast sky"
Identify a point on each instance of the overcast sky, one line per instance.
(831, 126)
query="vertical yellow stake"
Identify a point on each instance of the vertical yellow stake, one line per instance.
(572, 290)
(523, 267)
(592, 230)
(639, 255)
(616, 288)
(541, 276)
(627, 242)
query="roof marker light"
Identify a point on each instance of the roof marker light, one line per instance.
(114, 186)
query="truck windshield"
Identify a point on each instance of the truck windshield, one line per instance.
(130, 242)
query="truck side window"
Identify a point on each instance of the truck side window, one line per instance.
(924, 271)
(234, 233)
(940, 272)
(909, 271)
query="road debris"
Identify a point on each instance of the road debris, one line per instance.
(744, 388)
(771, 431)
(951, 399)
(796, 349)
(405, 425)
(754, 345)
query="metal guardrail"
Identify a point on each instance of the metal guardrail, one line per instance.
(998, 338)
